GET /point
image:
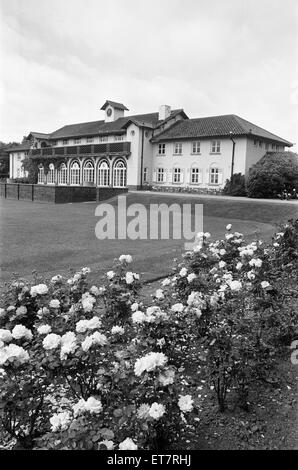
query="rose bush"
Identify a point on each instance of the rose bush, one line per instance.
(94, 367)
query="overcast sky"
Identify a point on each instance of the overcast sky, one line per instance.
(61, 59)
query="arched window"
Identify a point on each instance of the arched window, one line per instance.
(75, 173)
(88, 172)
(62, 174)
(51, 174)
(103, 174)
(41, 176)
(195, 174)
(119, 175)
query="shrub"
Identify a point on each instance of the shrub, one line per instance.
(237, 188)
(273, 174)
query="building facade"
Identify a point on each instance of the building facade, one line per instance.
(164, 148)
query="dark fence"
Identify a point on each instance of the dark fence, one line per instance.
(56, 194)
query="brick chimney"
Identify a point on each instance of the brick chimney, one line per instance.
(164, 112)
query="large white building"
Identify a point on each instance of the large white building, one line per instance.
(164, 148)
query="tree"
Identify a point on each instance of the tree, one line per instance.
(274, 173)
(237, 188)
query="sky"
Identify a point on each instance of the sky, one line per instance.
(61, 60)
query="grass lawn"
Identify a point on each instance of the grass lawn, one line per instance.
(52, 238)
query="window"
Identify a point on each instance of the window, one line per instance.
(119, 175)
(273, 146)
(41, 175)
(195, 176)
(145, 175)
(161, 149)
(215, 146)
(65, 141)
(51, 174)
(62, 174)
(160, 175)
(103, 139)
(255, 143)
(103, 174)
(75, 173)
(118, 138)
(88, 172)
(196, 147)
(18, 173)
(77, 141)
(89, 139)
(260, 143)
(177, 175)
(277, 148)
(54, 142)
(178, 148)
(266, 146)
(214, 176)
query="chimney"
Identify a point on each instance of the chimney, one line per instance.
(164, 112)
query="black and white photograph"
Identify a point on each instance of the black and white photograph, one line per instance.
(148, 228)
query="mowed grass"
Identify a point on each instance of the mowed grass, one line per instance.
(52, 238)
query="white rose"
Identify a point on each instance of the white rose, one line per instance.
(108, 444)
(138, 317)
(5, 336)
(264, 284)
(191, 277)
(128, 444)
(40, 289)
(21, 311)
(51, 341)
(183, 272)
(235, 285)
(166, 282)
(222, 264)
(110, 274)
(159, 294)
(156, 411)
(239, 266)
(125, 259)
(185, 403)
(94, 290)
(228, 227)
(134, 307)
(20, 331)
(117, 330)
(177, 308)
(44, 329)
(93, 405)
(54, 303)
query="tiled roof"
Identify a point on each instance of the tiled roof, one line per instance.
(216, 126)
(39, 135)
(114, 104)
(102, 127)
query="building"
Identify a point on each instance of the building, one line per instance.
(163, 148)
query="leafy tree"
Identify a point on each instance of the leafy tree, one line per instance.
(274, 173)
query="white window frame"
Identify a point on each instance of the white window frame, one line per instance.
(196, 147)
(65, 142)
(103, 138)
(62, 174)
(41, 175)
(177, 148)
(88, 172)
(51, 174)
(161, 149)
(177, 173)
(119, 175)
(103, 174)
(75, 174)
(77, 141)
(214, 175)
(215, 146)
(160, 175)
(89, 140)
(118, 138)
(195, 175)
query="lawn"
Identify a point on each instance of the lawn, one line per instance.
(52, 238)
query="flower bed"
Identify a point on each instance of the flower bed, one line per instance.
(94, 367)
